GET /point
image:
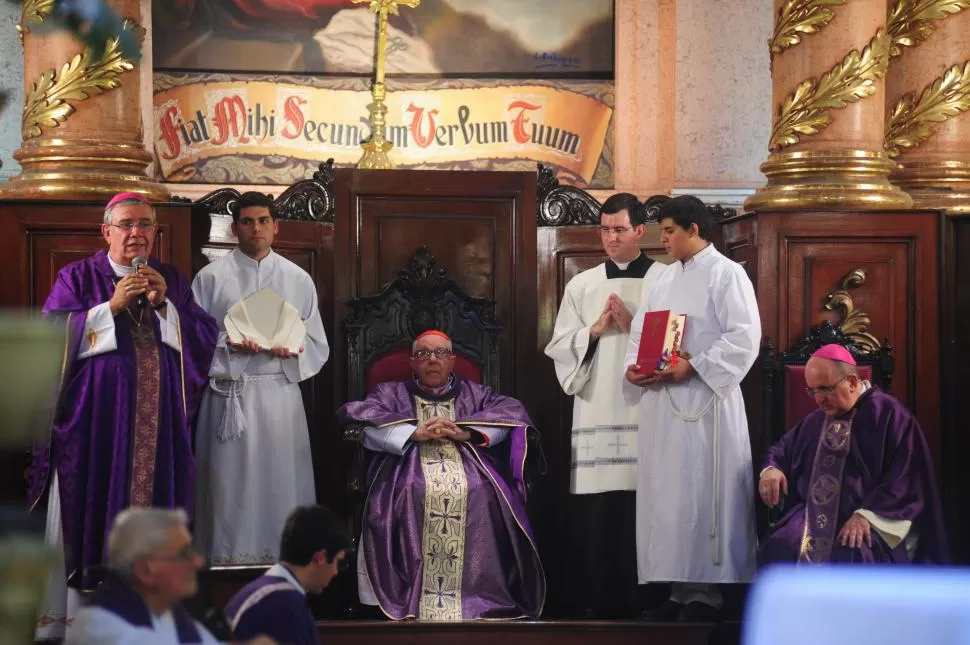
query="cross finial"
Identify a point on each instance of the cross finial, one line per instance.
(377, 147)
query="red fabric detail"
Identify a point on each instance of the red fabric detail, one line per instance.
(432, 332)
(798, 403)
(396, 366)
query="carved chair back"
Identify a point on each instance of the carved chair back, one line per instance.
(785, 400)
(379, 329)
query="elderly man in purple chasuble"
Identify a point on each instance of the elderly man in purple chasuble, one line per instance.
(445, 535)
(857, 475)
(138, 351)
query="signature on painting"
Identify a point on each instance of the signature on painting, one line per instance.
(396, 44)
(551, 60)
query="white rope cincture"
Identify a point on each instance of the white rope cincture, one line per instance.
(716, 492)
(233, 424)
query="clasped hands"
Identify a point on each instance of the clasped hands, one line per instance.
(614, 313)
(854, 533)
(252, 347)
(145, 280)
(439, 429)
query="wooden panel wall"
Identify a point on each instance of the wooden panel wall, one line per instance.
(801, 257)
(956, 383)
(37, 238)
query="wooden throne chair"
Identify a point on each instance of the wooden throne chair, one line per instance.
(379, 330)
(785, 400)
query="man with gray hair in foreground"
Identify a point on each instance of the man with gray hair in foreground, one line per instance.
(152, 567)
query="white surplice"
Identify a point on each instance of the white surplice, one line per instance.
(252, 444)
(97, 626)
(604, 430)
(695, 484)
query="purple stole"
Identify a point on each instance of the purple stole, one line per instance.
(147, 396)
(825, 490)
(121, 600)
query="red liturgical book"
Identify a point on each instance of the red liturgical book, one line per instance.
(660, 340)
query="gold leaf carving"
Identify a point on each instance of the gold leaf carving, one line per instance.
(909, 21)
(797, 17)
(855, 322)
(33, 13)
(47, 104)
(909, 121)
(806, 110)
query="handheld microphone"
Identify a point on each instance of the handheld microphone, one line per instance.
(138, 263)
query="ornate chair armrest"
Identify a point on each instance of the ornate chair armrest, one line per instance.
(354, 435)
(535, 463)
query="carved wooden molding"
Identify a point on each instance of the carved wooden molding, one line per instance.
(307, 200)
(559, 205)
(854, 323)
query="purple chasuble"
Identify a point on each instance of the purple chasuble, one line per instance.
(271, 605)
(874, 458)
(121, 600)
(121, 434)
(458, 545)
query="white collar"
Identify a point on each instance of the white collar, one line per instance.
(245, 260)
(621, 265)
(279, 571)
(700, 255)
(120, 269)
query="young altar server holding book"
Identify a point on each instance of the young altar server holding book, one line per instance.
(252, 442)
(695, 486)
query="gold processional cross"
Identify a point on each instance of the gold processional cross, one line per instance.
(377, 147)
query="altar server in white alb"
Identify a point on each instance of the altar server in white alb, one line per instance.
(252, 442)
(695, 488)
(589, 347)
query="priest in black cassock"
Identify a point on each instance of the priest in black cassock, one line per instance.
(589, 346)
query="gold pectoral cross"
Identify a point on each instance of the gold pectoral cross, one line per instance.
(377, 146)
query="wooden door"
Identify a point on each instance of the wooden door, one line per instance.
(480, 227)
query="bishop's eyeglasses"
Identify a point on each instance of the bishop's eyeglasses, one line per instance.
(128, 226)
(441, 353)
(824, 390)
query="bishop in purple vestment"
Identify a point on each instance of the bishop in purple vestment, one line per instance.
(857, 474)
(136, 360)
(445, 535)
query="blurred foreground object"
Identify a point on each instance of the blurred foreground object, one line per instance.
(31, 356)
(859, 605)
(92, 22)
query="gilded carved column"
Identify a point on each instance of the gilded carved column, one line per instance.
(928, 95)
(82, 126)
(829, 61)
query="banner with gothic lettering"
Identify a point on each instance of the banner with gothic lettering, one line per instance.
(228, 129)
